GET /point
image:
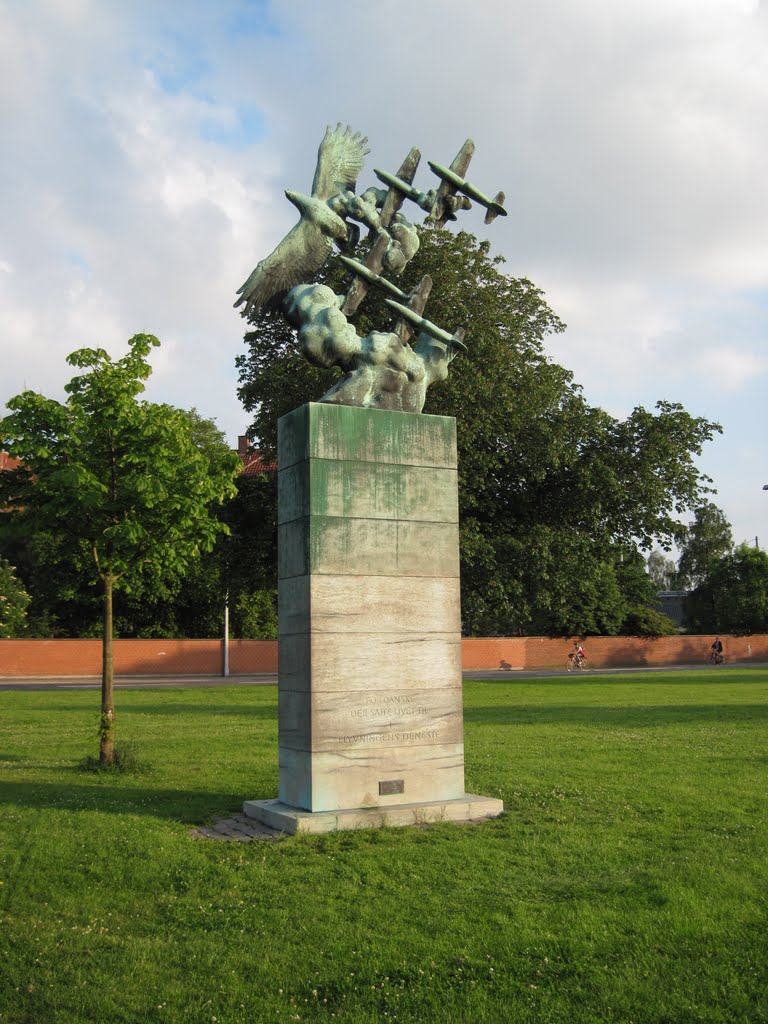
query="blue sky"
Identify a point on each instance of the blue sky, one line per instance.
(147, 147)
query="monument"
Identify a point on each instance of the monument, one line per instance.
(370, 699)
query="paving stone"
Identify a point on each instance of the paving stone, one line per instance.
(238, 828)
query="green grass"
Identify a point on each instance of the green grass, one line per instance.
(627, 882)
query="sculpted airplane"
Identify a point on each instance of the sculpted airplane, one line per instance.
(373, 278)
(447, 203)
(449, 177)
(426, 200)
(427, 326)
(388, 213)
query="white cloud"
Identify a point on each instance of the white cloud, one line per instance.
(732, 368)
(629, 139)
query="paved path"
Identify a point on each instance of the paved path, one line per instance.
(270, 679)
(135, 682)
(544, 673)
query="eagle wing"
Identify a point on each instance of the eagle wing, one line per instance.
(340, 159)
(300, 255)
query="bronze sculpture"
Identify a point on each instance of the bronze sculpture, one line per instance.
(382, 370)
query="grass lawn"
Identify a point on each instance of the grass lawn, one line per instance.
(627, 882)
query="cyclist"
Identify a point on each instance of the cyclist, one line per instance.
(717, 651)
(578, 653)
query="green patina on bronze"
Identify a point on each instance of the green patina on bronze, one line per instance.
(384, 369)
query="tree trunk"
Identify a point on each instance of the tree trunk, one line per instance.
(107, 726)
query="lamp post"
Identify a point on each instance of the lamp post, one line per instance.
(225, 666)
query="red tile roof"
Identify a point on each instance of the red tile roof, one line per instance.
(255, 461)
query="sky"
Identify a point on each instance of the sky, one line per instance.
(146, 147)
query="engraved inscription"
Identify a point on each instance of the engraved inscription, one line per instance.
(414, 717)
(390, 698)
(387, 712)
(388, 737)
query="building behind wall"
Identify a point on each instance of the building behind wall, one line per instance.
(672, 603)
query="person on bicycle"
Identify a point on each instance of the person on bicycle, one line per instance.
(717, 650)
(579, 654)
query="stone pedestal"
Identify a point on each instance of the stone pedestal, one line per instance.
(370, 708)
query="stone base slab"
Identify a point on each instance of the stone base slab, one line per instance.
(292, 820)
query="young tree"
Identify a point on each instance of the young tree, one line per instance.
(189, 601)
(116, 478)
(547, 483)
(161, 602)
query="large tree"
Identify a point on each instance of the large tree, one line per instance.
(117, 479)
(548, 484)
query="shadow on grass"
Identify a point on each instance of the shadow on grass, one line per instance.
(183, 805)
(755, 676)
(157, 707)
(628, 717)
(262, 711)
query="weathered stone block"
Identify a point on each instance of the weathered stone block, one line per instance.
(370, 712)
(467, 807)
(344, 720)
(343, 432)
(367, 490)
(360, 661)
(336, 545)
(369, 604)
(322, 781)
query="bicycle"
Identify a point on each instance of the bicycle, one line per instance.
(713, 658)
(576, 661)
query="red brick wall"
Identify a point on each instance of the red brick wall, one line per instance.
(252, 656)
(135, 657)
(204, 657)
(607, 651)
(494, 653)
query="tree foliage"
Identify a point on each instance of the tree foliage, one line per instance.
(178, 601)
(662, 571)
(641, 620)
(13, 603)
(56, 575)
(255, 614)
(119, 480)
(548, 485)
(733, 598)
(703, 543)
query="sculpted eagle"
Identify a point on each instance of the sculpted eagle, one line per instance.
(309, 243)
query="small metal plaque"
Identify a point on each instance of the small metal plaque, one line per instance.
(391, 786)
